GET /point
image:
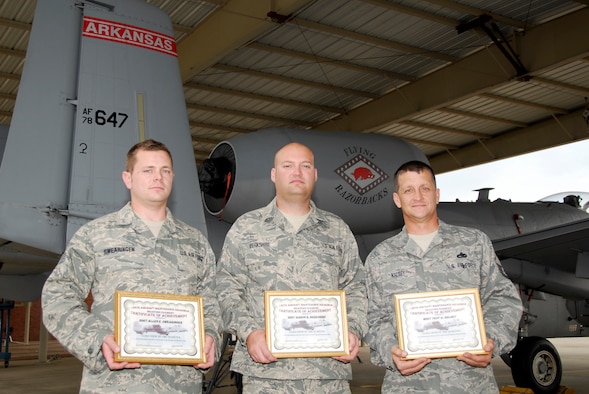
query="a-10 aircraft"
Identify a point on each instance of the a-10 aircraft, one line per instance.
(100, 76)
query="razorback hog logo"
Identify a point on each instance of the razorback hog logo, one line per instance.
(363, 173)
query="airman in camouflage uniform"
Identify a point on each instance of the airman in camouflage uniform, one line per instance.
(446, 257)
(119, 251)
(266, 249)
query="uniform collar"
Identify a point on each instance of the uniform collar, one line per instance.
(127, 217)
(271, 213)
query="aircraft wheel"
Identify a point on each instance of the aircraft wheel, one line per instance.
(535, 364)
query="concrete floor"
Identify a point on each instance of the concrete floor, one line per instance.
(62, 374)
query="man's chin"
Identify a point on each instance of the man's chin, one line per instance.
(159, 197)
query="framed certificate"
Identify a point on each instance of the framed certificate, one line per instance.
(306, 323)
(440, 323)
(154, 328)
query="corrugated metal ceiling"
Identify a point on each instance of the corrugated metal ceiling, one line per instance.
(397, 67)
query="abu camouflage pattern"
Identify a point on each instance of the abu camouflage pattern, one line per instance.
(119, 252)
(457, 258)
(313, 386)
(263, 252)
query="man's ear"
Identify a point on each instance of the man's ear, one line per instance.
(127, 179)
(273, 175)
(396, 199)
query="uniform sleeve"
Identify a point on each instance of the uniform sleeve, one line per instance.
(207, 289)
(353, 281)
(381, 336)
(501, 303)
(65, 314)
(231, 282)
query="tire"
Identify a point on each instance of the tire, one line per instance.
(535, 364)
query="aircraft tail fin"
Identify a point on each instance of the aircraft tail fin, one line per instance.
(97, 79)
(129, 90)
(34, 174)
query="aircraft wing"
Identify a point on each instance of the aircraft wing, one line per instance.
(553, 260)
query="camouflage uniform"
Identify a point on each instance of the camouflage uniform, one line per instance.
(457, 258)
(262, 252)
(311, 386)
(119, 252)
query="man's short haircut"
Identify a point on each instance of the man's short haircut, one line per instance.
(147, 145)
(413, 166)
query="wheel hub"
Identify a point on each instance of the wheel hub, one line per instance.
(544, 368)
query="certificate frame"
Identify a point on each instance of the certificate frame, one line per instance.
(154, 328)
(306, 323)
(440, 323)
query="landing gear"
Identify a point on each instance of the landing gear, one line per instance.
(535, 364)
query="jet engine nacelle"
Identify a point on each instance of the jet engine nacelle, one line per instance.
(355, 174)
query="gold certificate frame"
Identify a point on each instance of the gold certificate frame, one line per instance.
(306, 323)
(440, 323)
(153, 328)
